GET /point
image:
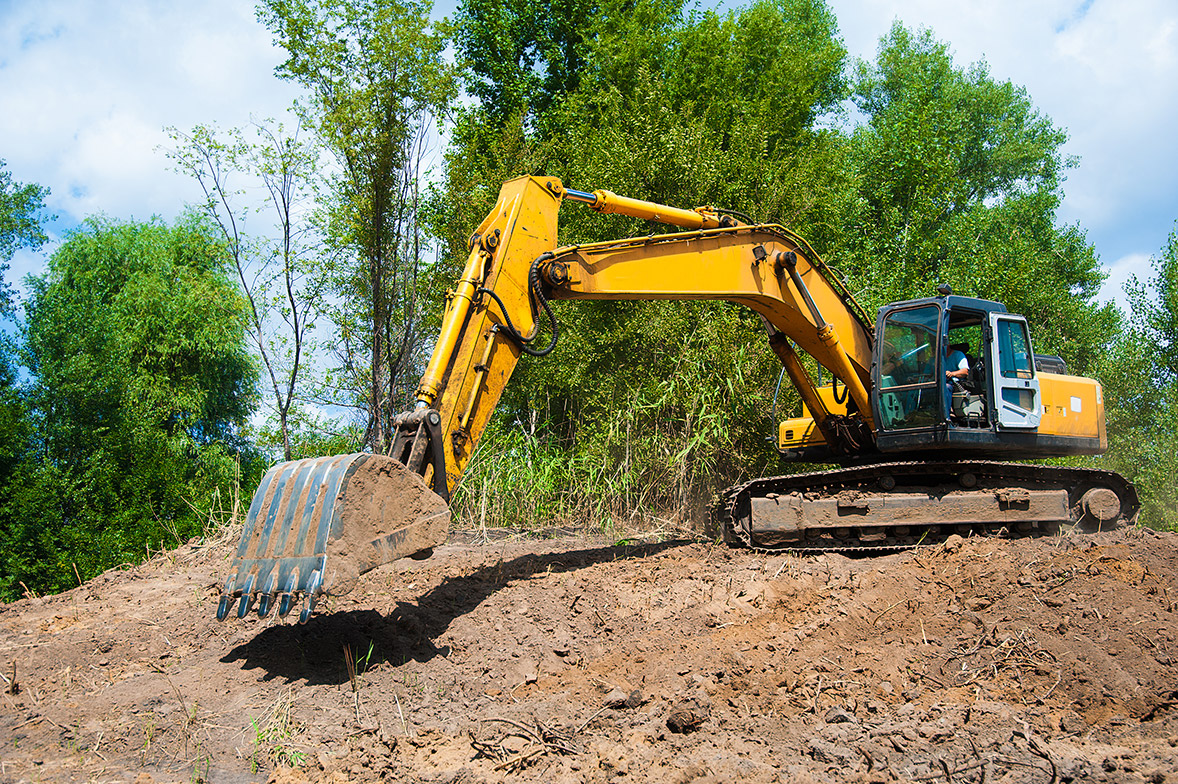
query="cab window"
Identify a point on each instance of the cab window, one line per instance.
(1014, 354)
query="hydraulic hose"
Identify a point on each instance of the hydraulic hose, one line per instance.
(834, 390)
(736, 214)
(776, 390)
(534, 290)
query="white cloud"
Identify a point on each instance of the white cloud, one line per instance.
(1119, 273)
(87, 89)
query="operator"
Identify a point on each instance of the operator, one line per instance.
(956, 367)
(891, 361)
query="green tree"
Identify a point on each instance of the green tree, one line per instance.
(135, 338)
(521, 53)
(377, 80)
(280, 273)
(659, 402)
(524, 62)
(15, 425)
(21, 225)
(1154, 308)
(959, 179)
(1140, 374)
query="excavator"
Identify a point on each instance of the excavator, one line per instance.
(923, 450)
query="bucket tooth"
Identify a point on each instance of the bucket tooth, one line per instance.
(267, 595)
(288, 594)
(315, 525)
(312, 595)
(247, 597)
(226, 599)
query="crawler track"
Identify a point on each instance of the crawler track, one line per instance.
(912, 481)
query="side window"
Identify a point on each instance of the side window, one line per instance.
(1015, 360)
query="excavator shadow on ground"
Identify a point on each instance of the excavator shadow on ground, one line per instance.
(313, 651)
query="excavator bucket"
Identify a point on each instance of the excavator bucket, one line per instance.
(315, 525)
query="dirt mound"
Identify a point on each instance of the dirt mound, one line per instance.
(575, 660)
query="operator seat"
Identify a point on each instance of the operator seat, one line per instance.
(969, 406)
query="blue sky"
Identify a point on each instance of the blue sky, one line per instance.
(87, 88)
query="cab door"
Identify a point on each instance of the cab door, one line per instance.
(1014, 384)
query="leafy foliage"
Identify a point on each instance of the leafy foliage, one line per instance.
(21, 206)
(522, 53)
(958, 179)
(1154, 307)
(135, 339)
(1140, 374)
(377, 79)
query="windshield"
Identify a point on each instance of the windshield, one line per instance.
(908, 364)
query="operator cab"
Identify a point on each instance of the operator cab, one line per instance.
(918, 408)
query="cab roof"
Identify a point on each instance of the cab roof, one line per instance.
(951, 302)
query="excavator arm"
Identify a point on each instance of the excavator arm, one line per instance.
(766, 268)
(514, 268)
(314, 525)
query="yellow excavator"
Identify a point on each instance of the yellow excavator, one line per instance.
(921, 406)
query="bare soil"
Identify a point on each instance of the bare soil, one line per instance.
(572, 659)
